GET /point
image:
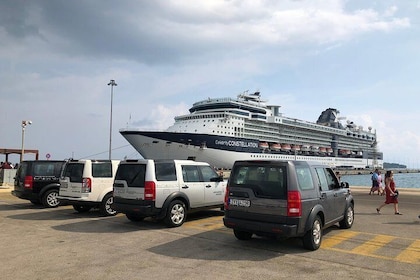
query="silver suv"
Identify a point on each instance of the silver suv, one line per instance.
(286, 199)
(166, 189)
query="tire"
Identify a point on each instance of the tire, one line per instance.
(348, 220)
(82, 208)
(176, 214)
(313, 237)
(134, 217)
(106, 206)
(49, 199)
(242, 235)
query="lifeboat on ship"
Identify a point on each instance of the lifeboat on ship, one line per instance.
(329, 150)
(296, 148)
(345, 152)
(315, 149)
(286, 147)
(263, 145)
(323, 150)
(305, 148)
(275, 147)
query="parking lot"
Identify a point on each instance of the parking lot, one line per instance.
(60, 243)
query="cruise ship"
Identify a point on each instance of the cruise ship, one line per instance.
(222, 130)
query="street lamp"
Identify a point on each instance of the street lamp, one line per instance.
(112, 84)
(24, 124)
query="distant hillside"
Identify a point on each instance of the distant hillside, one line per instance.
(393, 165)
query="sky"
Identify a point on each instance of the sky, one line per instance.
(57, 58)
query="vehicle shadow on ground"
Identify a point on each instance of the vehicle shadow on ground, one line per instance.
(221, 244)
(121, 224)
(193, 216)
(17, 206)
(58, 213)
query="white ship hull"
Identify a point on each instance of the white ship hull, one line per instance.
(158, 148)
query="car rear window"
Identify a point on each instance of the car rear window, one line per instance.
(21, 172)
(74, 171)
(133, 174)
(266, 181)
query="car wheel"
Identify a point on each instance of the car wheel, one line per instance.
(49, 199)
(242, 235)
(82, 208)
(176, 215)
(134, 217)
(312, 238)
(106, 206)
(348, 220)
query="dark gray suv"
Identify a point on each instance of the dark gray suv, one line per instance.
(286, 199)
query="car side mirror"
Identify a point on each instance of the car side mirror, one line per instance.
(344, 185)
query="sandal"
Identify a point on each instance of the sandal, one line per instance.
(378, 211)
(398, 213)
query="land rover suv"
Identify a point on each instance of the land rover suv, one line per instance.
(38, 181)
(87, 184)
(166, 189)
(286, 199)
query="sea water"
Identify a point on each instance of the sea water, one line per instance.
(402, 180)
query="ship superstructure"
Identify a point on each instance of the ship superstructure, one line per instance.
(222, 130)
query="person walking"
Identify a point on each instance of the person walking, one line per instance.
(375, 183)
(381, 186)
(391, 193)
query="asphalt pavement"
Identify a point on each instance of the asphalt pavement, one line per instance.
(59, 243)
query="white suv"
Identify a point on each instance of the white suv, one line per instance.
(166, 189)
(88, 183)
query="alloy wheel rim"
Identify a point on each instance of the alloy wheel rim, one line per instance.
(108, 206)
(52, 199)
(350, 216)
(316, 232)
(177, 214)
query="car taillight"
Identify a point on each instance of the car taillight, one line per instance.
(28, 182)
(86, 185)
(226, 206)
(294, 204)
(149, 190)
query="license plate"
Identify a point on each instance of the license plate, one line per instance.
(240, 202)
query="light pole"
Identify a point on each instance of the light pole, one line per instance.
(24, 124)
(112, 84)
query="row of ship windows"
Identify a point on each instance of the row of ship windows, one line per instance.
(258, 128)
(269, 135)
(291, 157)
(207, 118)
(211, 118)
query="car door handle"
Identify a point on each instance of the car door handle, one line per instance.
(208, 186)
(323, 195)
(335, 194)
(185, 187)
